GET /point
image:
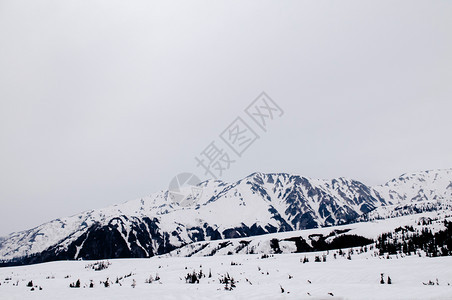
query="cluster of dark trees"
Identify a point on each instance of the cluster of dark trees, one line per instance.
(98, 266)
(76, 284)
(382, 280)
(408, 241)
(195, 276)
(319, 243)
(152, 279)
(228, 281)
(30, 285)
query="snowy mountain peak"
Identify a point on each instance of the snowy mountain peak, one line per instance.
(429, 185)
(257, 204)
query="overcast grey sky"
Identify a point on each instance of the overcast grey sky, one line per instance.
(105, 101)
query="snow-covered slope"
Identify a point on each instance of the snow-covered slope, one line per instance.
(286, 242)
(277, 277)
(414, 193)
(255, 205)
(420, 186)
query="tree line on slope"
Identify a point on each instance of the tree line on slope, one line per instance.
(409, 241)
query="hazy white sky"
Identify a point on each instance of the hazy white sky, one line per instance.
(105, 101)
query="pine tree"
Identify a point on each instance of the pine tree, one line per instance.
(232, 283)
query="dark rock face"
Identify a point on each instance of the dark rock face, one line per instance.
(110, 241)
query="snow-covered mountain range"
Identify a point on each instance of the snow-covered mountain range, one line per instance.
(258, 204)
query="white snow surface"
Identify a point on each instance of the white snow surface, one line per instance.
(358, 278)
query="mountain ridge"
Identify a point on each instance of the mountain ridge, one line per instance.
(257, 204)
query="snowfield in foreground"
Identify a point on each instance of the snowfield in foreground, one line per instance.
(353, 273)
(282, 276)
